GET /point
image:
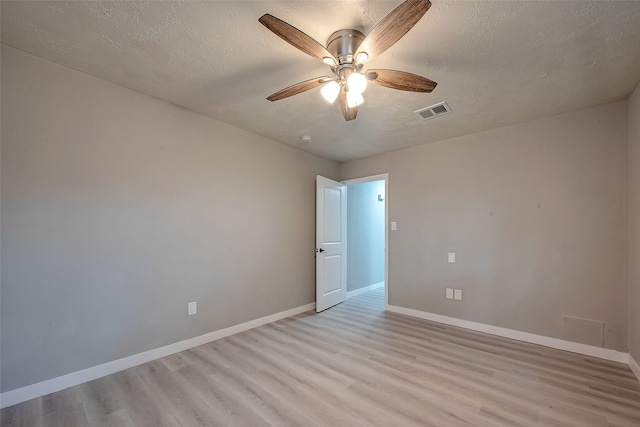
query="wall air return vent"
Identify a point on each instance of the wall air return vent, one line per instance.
(434, 110)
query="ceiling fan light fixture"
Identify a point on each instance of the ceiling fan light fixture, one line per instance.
(357, 82)
(347, 50)
(330, 91)
(354, 99)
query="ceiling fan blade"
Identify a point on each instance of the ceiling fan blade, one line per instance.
(392, 27)
(347, 113)
(295, 37)
(401, 80)
(298, 88)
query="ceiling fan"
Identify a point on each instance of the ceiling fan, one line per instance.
(346, 53)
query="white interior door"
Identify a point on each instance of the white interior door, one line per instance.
(331, 243)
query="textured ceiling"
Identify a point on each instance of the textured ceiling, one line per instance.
(496, 63)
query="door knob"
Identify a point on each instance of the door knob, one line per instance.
(320, 250)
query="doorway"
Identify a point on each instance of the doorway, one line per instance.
(367, 213)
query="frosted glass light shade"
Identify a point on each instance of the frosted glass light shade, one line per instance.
(354, 99)
(357, 82)
(361, 57)
(330, 91)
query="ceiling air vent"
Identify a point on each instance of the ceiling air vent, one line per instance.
(434, 110)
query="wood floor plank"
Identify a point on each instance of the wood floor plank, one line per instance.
(352, 365)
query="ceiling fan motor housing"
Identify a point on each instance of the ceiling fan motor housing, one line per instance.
(343, 44)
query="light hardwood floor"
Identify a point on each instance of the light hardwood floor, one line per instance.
(352, 365)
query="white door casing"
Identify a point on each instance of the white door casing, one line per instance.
(331, 243)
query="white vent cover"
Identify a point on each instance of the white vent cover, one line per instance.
(434, 110)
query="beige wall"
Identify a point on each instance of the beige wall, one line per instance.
(118, 209)
(536, 213)
(634, 224)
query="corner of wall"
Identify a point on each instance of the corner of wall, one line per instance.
(633, 277)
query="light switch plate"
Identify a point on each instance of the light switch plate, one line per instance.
(192, 308)
(449, 294)
(451, 257)
(457, 295)
(394, 226)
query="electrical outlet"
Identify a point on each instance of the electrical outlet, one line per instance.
(192, 308)
(394, 226)
(458, 295)
(451, 257)
(449, 294)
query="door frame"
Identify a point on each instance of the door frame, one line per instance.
(380, 177)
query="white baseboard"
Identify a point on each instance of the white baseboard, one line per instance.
(634, 367)
(365, 289)
(12, 397)
(588, 350)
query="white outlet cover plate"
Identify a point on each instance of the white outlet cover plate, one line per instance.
(449, 294)
(394, 226)
(458, 295)
(451, 257)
